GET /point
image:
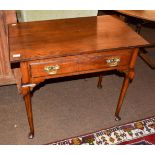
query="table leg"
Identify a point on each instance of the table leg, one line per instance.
(147, 60)
(128, 77)
(27, 99)
(99, 85)
(138, 28)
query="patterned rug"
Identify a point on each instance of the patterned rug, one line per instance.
(139, 133)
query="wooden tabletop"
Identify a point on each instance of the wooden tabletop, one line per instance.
(142, 14)
(63, 37)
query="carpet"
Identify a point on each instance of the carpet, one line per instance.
(140, 132)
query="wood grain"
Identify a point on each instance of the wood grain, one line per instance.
(77, 46)
(26, 92)
(142, 14)
(66, 37)
(79, 63)
(6, 76)
(129, 76)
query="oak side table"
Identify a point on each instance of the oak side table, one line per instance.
(67, 47)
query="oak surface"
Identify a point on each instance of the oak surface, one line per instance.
(142, 14)
(72, 64)
(65, 37)
(6, 76)
(60, 48)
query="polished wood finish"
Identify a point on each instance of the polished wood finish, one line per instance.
(129, 75)
(58, 38)
(99, 84)
(142, 14)
(6, 76)
(71, 64)
(145, 16)
(67, 47)
(27, 96)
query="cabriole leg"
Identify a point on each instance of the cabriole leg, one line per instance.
(99, 84)
(128, 77)
(27, 98)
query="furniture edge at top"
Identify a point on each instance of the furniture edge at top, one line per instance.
(21, 33)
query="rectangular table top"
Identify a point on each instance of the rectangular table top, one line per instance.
(64, 37)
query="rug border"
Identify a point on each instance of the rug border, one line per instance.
(97, 130)
(133, 141)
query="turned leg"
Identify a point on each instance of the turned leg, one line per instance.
(27, 99)
(138, 28)
(128, 77)
(99, 85)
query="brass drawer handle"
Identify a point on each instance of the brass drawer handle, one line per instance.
(114, 61)
(52, 69)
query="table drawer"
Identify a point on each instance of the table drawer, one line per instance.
(71, 64)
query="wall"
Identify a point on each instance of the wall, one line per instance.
(35, 15)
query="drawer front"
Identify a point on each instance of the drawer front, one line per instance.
(80, 63)
(52, 67)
